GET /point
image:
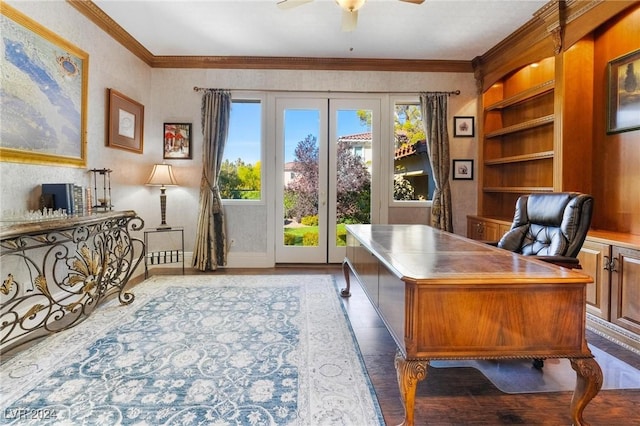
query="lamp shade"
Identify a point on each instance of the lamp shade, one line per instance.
(350, 5)
(162, 175)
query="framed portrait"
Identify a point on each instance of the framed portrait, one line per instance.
(623, 109)
(177, 141)
(44, 100)
(463, 169)
(126, 122)
(463, 127)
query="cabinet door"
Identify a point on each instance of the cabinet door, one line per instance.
(482, 230)
(503, 229)
(625, 289)
(593, 257)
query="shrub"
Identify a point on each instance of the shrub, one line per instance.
(289, 239)
(310, 239)
(341, 237)
(310, 220)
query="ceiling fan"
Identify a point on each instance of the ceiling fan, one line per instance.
(350, 9)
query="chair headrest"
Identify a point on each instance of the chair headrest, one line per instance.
(548, 209)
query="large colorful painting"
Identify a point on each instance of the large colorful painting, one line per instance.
(43, 94)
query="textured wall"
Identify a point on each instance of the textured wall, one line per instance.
(168, 95)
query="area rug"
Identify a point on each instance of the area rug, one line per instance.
(519, 376)
(215, 350)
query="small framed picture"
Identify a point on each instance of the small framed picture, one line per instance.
(463, 169)
(177, 141)
(463, 127)
(126, 122)
(624, 93)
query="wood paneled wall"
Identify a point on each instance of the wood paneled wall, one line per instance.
(616, 159)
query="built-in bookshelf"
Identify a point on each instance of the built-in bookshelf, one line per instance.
(518, 140)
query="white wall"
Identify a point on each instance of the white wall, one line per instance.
(168, 96)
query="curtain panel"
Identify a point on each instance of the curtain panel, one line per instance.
(434, 116)
(210, 249)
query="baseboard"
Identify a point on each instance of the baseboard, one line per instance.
(249, 260)
(614, 333)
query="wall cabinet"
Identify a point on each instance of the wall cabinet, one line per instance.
(484, 229)
(613, 261)
(625, 290)
(593, 258)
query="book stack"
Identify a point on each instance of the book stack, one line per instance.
(65, 196)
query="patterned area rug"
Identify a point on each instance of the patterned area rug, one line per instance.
(215, 350)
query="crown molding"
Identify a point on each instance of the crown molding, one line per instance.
(306, 63)
(108, 25)
(553, 29)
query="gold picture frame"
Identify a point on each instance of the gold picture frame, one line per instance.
(45, 108)
(623, 109)
(125, 122)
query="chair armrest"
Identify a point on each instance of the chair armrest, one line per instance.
(564, 261)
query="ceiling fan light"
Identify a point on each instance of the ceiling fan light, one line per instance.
(350, 5)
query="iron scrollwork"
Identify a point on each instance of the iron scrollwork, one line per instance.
(55, 274)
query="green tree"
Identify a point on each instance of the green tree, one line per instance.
(407, 124)
(239, 180)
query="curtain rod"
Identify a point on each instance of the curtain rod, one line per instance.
(200, 89)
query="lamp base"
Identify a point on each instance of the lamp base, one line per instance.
(163, 227)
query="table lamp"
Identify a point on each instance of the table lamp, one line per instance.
(162, 176)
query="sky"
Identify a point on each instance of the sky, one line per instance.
(244, 130)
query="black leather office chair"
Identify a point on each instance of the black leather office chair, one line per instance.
(550, 226)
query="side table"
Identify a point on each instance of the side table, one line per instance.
(168, 249)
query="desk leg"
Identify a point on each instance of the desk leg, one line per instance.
(346, 268)
(588, 384)
(409, 374)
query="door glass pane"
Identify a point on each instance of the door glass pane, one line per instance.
(412, 176)
(353, 170)
(301, 177)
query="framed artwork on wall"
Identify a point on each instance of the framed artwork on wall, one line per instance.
(463, 169)
(177, 141)
(126, 122)
(44, 103)
(623, 109)
(463, 127)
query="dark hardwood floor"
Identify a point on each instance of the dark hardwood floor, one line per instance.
(463, 396)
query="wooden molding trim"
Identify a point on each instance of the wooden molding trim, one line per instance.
(108, 25)
(553, 29)
(305, 63)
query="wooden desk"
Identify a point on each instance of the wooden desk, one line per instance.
(443, 296)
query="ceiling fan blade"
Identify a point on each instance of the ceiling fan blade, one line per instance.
(290, 4)
(349, 20)
(413, 1)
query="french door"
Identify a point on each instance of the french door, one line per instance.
(325, 157)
